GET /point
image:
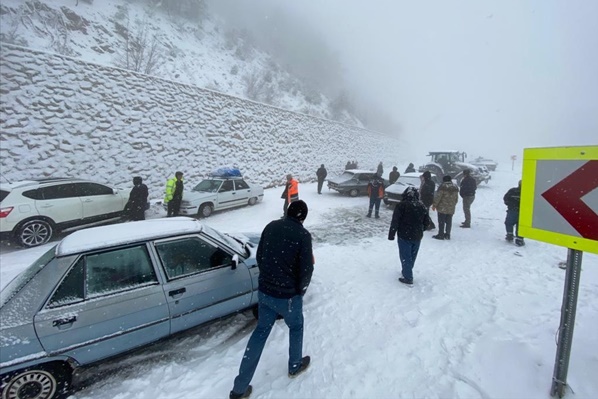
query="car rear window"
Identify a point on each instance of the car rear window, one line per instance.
(3, 194)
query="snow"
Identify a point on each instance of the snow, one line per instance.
(479, 321)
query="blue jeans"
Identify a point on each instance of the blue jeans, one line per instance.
(292, 312)
(408, 253)
(512, 220)
(374, 202)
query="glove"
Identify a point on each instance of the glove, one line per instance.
(391, 237)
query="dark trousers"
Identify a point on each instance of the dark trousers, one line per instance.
(408, 253)
(269, 307)
(137, 214)
(174, 206)
(467, 201)
(320, 184)
(445, 222)
(431, 225)
(374, 202)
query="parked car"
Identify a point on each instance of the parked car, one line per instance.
(353, 182)
(106, 290)
(481, 161)
(33, 211)
(394, 193)
(217, 193)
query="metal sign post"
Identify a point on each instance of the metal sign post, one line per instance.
(565, 338)
(513, 158)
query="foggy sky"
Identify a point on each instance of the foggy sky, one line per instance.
(489, 77)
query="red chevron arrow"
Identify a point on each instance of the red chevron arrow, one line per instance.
(565, 197)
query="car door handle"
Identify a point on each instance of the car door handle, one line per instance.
(67, 322)
(179, 292)
(234, 193)
(46, 206)
(87, 200)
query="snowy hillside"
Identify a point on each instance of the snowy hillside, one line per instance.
(202, 53)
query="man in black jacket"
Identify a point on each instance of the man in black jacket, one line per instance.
(512, 199)
(137, 200)
(321, 173)
(427, 190)
(286, 264)
(409, 220)
(467, 192)
(394, 175)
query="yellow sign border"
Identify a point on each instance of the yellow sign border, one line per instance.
(530, 158)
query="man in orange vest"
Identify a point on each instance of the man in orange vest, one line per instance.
(290, 193)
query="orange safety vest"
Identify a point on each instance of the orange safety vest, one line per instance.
(292, 191)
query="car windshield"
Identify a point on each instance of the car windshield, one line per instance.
(226, 239)
(23, 278)
(412, 180)
(346, 176)
(208, 186)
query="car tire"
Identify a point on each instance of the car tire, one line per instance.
(252, 201)
(354, 192)
(33, 233)
(205, 210)
(43, 382)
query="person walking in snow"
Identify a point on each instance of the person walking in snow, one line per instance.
(467, 192)
(394, 175)
(410, 168)
(285, 261)
(174, 194)
(290, 193)
(445, 201)
(427, 190)
(137, 200)
(321, 174)
(409, 220)
(512, 200)
(375, 193)
(380, 169)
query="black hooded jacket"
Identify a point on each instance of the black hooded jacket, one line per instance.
(285, 258)
(409, 219)
(512, 198)
(428, 189)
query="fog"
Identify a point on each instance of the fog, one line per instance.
(488, 77)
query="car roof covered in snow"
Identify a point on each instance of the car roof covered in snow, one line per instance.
(359, 171)
(124, 233)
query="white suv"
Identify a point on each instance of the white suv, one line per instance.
(32, 211)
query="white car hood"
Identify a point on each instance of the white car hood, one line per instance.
(196, 196)
(398, 187)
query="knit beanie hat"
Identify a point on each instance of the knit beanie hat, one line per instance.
(447, 178)
(297, 210)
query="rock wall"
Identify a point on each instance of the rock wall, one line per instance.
(61, 116)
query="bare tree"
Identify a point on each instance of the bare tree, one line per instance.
(142, 51)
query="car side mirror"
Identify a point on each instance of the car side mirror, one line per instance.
(235, 262)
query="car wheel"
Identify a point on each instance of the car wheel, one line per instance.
(252, 201)
(41, 382)
(34, 233)
(205, 210)
(354, 192)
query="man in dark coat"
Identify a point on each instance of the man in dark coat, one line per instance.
(137, 200)
(427, 189)
(467, 192)
(410, 168)
(380, 169)
(394, 175)
(321, 173)
(375, 193)
(286, 264)
(512, 199)
(409, 220)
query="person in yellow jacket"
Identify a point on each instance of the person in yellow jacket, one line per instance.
(174, 194)
(290, 193)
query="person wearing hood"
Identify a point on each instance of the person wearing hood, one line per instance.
(137, 203)
(445, 201)
(410, 168)
(427, 194)
(394, 175)
(409, 220)
(286, 263)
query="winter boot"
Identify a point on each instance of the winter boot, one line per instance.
(447, 236)
(369, 214)
(377, 216)
(465, 225)
(439, 236)
(304, 365)
(246, 394)
(509, 237)
(405, 281)
(519, 241)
